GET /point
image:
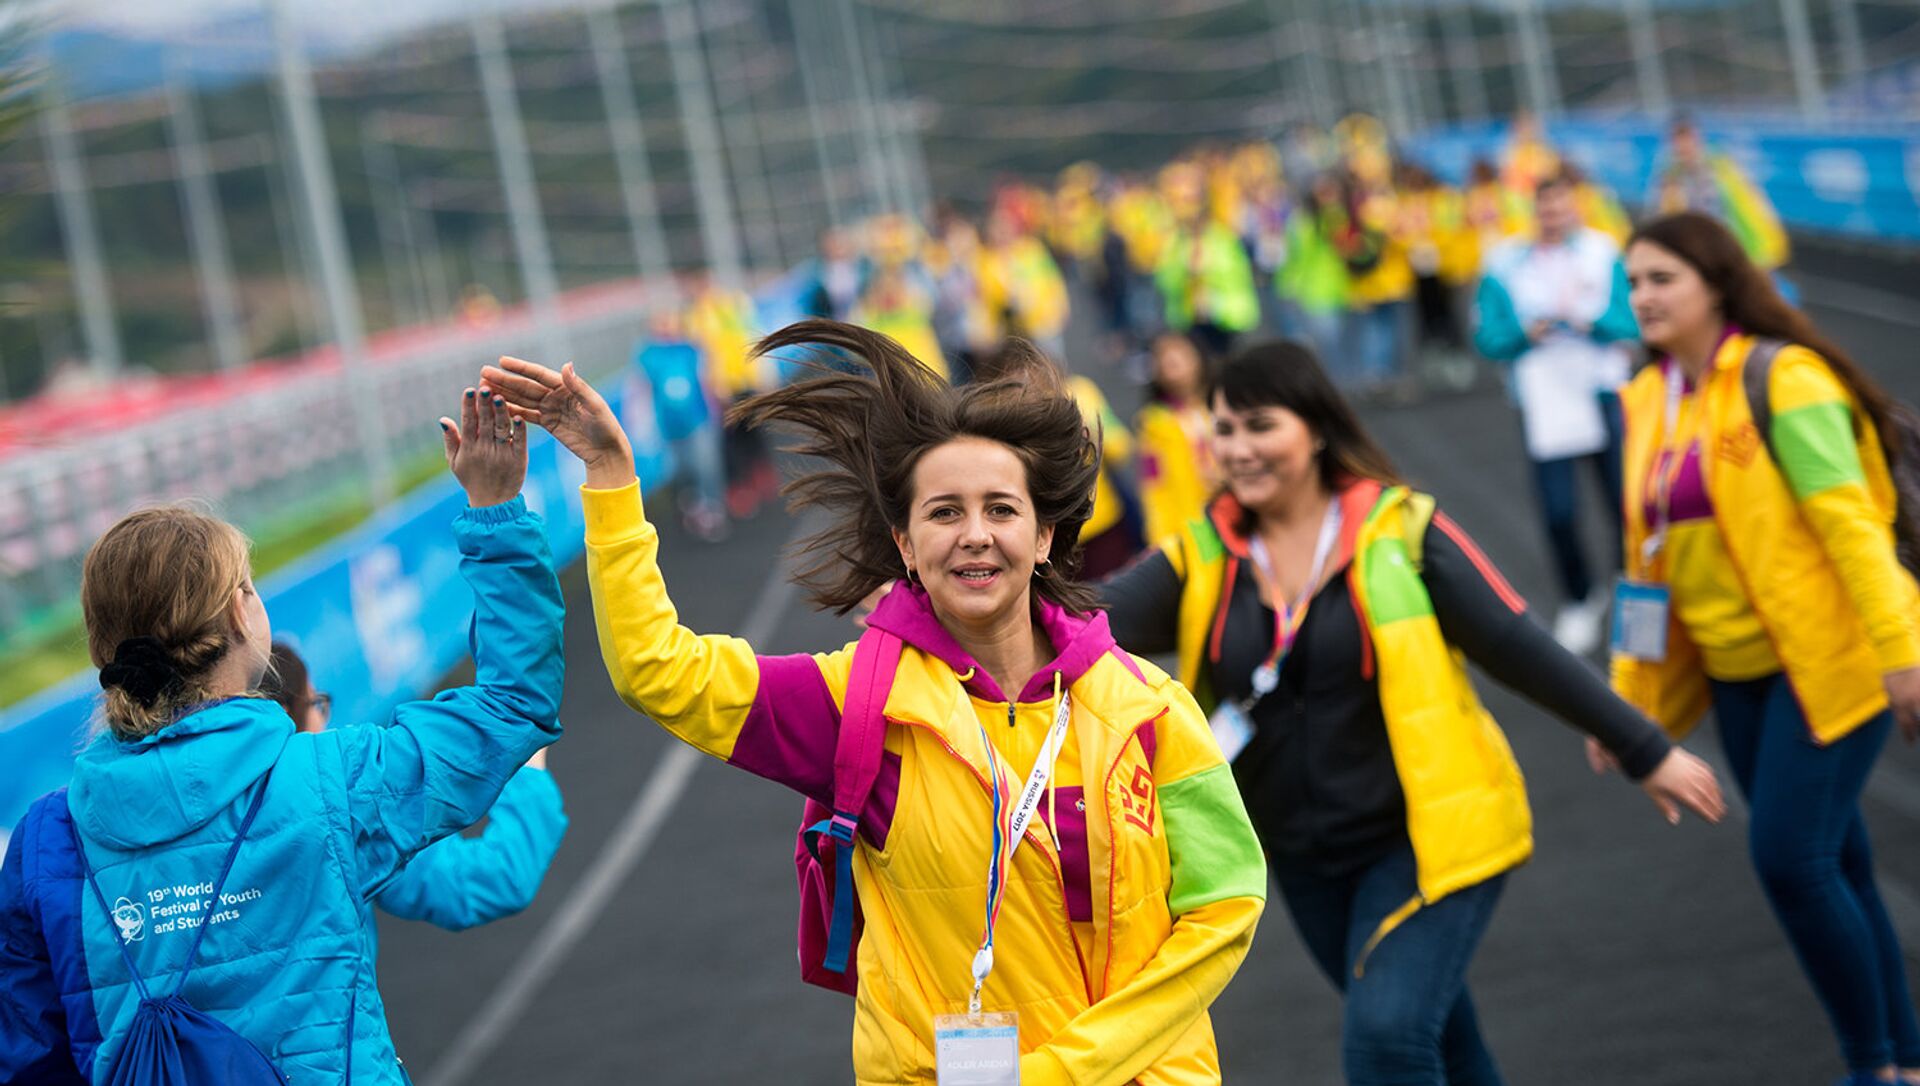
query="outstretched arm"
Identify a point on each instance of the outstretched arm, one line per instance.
(1481, 614)
(773, 716)
(463, 882)
(443, 761)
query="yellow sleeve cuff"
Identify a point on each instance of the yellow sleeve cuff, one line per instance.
(1042, 1068)
(1898, 653)
(613, 516)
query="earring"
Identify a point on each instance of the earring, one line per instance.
(1043, 568)
(913, 575)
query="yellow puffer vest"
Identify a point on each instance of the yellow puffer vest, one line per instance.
(1792, 584)
(1467, 813)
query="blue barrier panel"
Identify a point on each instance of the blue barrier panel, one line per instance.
(1860, 182)
(381, 614)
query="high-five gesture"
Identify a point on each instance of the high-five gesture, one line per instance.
(571, 411)
(487, 449)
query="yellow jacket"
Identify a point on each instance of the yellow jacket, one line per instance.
(1110, 947)
(1467, 813)
(721, 324)
(1391, 277)
(1810, 536)
(910, 327)
(1116, 450)
(1437, 234)
(1023, 280)
(1176, 471)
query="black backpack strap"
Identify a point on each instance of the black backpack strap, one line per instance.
(1755, 376)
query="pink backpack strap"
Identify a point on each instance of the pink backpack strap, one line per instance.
(863, 726)
(857, 754)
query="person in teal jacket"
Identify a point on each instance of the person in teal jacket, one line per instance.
(157, 798)
(457, 882)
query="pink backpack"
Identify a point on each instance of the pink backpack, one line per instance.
(830, 920)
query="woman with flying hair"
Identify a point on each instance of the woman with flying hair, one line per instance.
(1124, 909)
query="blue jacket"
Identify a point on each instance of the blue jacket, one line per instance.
(462, 882)
(288, 960)
(673, 369)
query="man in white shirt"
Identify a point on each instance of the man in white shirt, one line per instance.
(1555, 307)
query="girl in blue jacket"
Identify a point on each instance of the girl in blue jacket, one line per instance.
(157, 799)
(457, 882)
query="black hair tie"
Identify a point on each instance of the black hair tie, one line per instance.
(142, 667)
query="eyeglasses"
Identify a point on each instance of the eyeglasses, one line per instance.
(323, 704)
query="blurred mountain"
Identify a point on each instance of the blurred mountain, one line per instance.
(103, 62)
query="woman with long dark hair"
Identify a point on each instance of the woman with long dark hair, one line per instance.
(1323, 612)
(1129, 901)
(1765, 583)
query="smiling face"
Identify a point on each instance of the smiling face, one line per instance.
(1268, 454)
(1670, 300)
(971, 534)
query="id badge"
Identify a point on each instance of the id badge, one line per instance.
(1232, 729)
(977, 1049)
(1640, 611)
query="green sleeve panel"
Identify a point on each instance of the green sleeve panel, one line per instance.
(1211, 841)
(1815, 448)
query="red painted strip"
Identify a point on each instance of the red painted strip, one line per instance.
(1220, 610)
(1514, 601)
(1360, 619)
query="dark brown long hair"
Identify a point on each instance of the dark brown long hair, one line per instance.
(872, 428)
(1749, 300)
(1285, 373)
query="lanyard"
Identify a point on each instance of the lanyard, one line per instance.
(1009, 826)
(1668, 474)
(1288, 618)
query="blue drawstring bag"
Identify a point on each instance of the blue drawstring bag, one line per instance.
(171, 1043)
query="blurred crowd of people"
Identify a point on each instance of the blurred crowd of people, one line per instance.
(1400, 281)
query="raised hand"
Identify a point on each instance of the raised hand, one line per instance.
(486, 449)
(1682, 780)
(568, 408)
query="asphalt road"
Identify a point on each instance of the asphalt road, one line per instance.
(661, 948)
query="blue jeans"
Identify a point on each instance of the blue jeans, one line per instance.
(1380, 341)
(1810, 849)
(1558, 484)
(1326, 332)
(700, 469)
(1408, 1019)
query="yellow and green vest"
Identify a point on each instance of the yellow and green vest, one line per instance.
(1467, 812)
